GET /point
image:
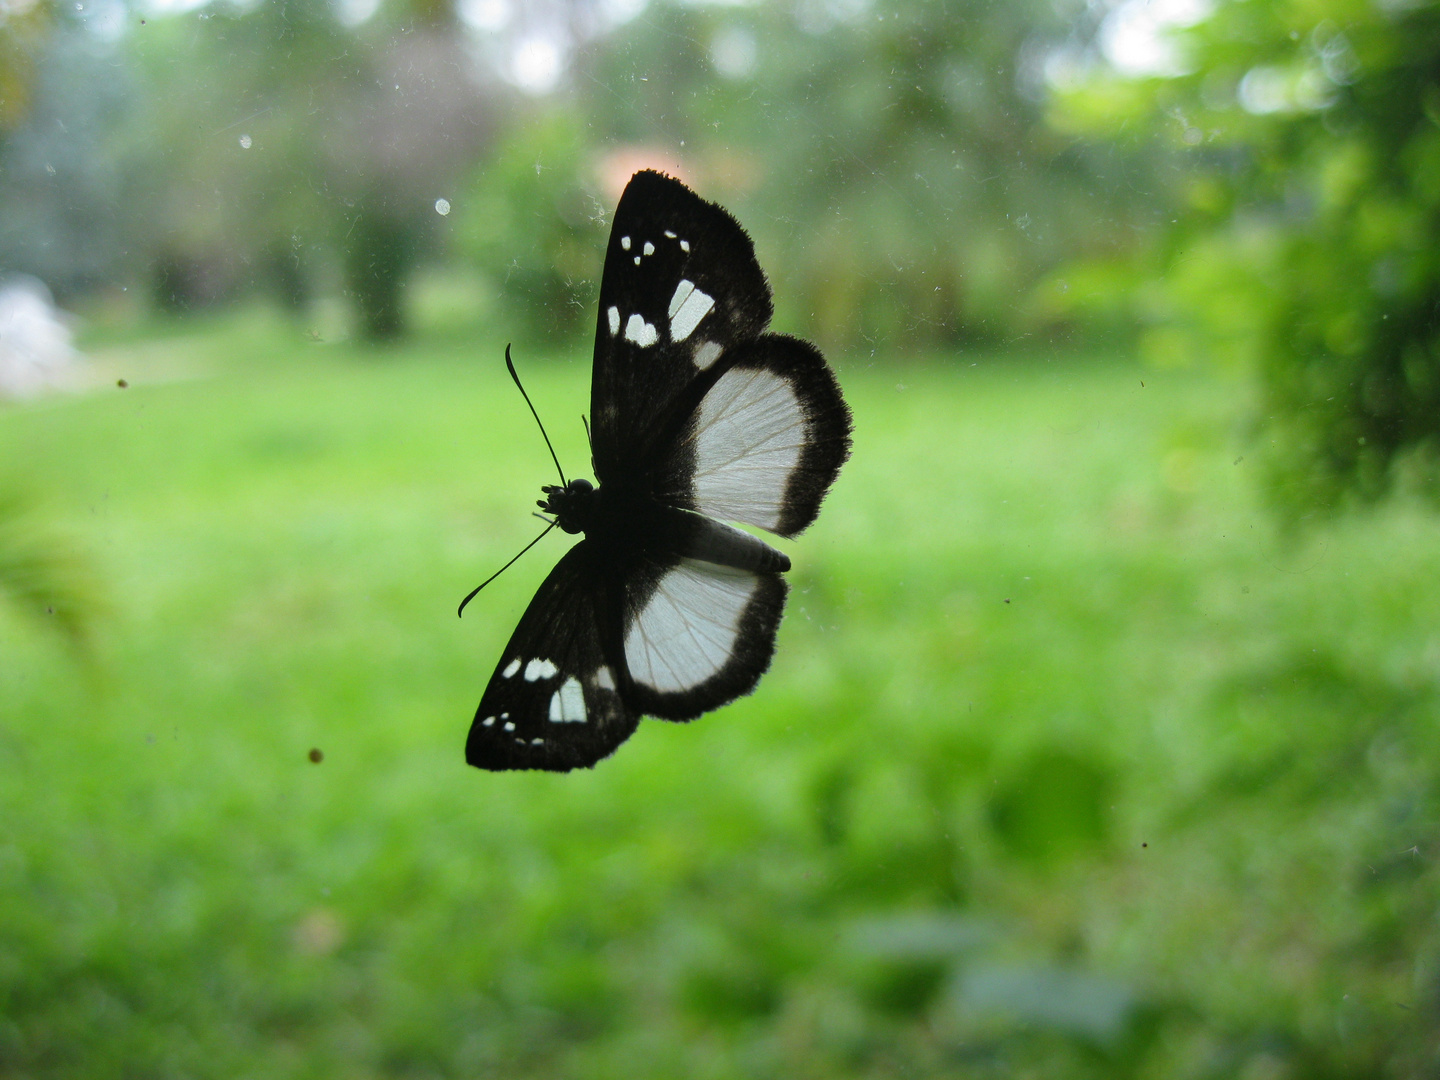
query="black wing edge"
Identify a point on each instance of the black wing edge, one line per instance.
(566, 625)
(828, 424)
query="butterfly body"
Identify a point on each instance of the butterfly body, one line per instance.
(699, 417)
(575, 506)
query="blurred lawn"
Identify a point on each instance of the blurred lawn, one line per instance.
(1067, 765)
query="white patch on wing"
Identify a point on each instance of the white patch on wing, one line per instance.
(641, 332)
(509, 727)
(604, 678)
(670, 233)
(749, 432)
(625, 242)
(567, 705)
(707, 352)
(613, 314)
(489, 721)
(686, 631)
(539, 669)
(649, 248)
(685, 245)
(687, 307)
(681, 294)
(511, 668)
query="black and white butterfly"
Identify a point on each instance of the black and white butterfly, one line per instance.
(698, 417)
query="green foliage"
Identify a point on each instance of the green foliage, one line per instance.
(1309, 136)
(536, 224)
(43, 577)
(892, 162)
(1080, 779)
(285, 152)
(379, 252)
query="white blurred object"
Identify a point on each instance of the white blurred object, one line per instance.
(35, 349)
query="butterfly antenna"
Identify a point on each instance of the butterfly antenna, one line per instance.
(511, 366)
(461, 612)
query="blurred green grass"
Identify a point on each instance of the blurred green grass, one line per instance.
(1067, 763)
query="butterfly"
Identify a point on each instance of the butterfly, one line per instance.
(698, 418)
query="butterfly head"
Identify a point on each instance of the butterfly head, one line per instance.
(573, 505)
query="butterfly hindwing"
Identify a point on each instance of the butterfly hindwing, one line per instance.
(697, 634)
(554, 701)
(680, 286)
(766, 440)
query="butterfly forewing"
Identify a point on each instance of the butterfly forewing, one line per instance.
(680, 286)
(554, 700)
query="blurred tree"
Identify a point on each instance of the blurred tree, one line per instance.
(892, 162)
(535, 221)
(290, 139)
(22, 29)
(894, 157)
(60, 181)
(401, 139)
(1309, 247)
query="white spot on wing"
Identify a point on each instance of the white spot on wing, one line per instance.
(489, 721)
(625, 242)
(641, 332)
(604, 678)
(687, 307)
(749, 432)
(509, 727)
(537, 742)
(511, 668)
(649, 248)
(539, 669)
(567, 705)
(706, 353)
(613, 314)
(686, 632)
(670, 233)
(681, 294)
(637, 260)
(685, 245)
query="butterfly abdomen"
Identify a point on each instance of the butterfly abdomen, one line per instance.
(712, 541)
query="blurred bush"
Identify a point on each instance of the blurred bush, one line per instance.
(1304, 141)
(535, 223)
(893, 165)
(42, 574)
